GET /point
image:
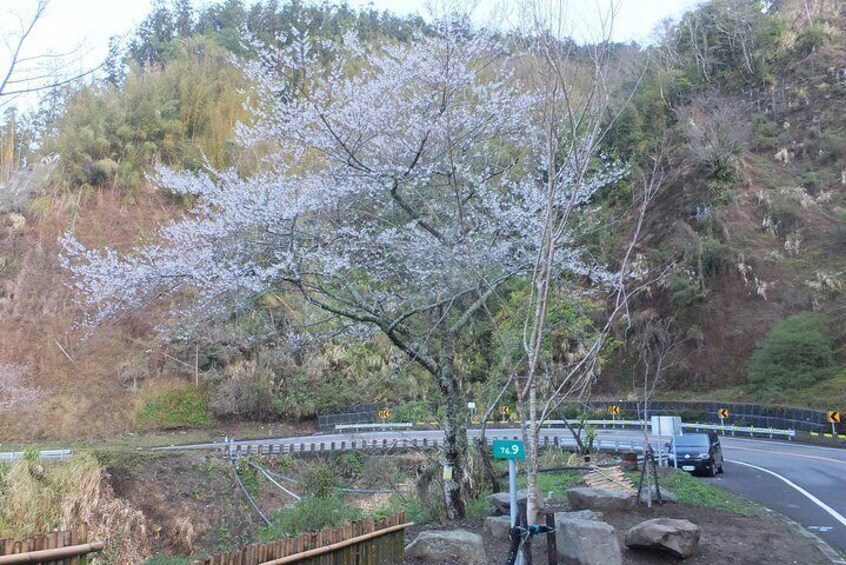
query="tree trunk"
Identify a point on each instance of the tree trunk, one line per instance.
(533, 447)
(455, 439)
(455, 450)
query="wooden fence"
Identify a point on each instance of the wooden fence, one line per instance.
(367, 542)
(68, 547)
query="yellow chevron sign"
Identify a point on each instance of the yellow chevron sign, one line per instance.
(833, 417)
(723, 413)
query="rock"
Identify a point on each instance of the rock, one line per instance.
(502, 502)
(596, 499)
(679, 537)
(666, 495)
(498, 527)
(583, 515)
(455, 546)
(586, 542)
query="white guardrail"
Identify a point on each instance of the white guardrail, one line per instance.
(377, 427)
(54, 454)
(725, 429)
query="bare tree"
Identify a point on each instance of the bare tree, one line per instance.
(26, 73)
(717, 131)
(572, 99)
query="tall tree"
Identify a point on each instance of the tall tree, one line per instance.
(404, 189)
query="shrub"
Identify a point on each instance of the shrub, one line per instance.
(812, 38)
(684, 292)
(318, 481)
(413, 411)
(786, 212)
(310, 514)
(179, 407)
(246, 391)
(716, 258)
(349, 465)
(797, 353)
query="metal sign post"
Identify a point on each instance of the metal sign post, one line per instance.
(833, 418)
(723, 413)
(513, 451)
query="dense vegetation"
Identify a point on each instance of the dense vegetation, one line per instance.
(742, 240)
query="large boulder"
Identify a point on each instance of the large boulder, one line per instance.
(498, 527)
(679, 537)
(586, 542)
(666, 495)
(583, 515)
(597, 499)
(454, 546)
(502, 501)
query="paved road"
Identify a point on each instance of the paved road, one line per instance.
(805, 483)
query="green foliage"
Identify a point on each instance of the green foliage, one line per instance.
(811, 38)
(412, 411)
(168, 560)
(308, 515)
(799, 352)
(691, 490)
(179, 115)
(249, 476)
(178, 407)
(786, 213)
(319, 481)
(349, 465)
(716, 258)
(684, 292)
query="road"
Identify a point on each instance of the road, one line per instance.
(805, 483)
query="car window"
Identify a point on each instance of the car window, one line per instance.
(692, 440)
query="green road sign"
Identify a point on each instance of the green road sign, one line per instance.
(509, 449)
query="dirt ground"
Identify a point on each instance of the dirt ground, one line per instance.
(727, 539)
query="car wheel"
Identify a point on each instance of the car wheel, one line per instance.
(713, 471)
(721, 470)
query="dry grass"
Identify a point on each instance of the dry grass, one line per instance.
(79, 375)
(64, 496)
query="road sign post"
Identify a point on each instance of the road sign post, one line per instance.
(615, 411)
(513, 451)
(834, 419)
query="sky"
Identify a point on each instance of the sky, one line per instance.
(87, 25)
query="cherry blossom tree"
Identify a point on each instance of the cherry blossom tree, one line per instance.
(400, 187)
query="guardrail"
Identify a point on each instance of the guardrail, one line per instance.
(54, 454)
(725, 429)
(242, 449)
(385, 426)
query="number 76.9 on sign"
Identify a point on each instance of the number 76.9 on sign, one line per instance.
(509, 449)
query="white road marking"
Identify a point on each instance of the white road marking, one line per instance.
(831, 511)
(787, 454)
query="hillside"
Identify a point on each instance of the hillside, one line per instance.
(748, 228)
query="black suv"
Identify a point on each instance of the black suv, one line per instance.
(698, 452)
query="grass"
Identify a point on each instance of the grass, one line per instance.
(556, 483)
(168, 560)
(177, 407)
(696, 492)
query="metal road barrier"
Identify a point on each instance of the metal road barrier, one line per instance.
(725, 429)
(244, 449)
(385, 426)
(50, 454)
